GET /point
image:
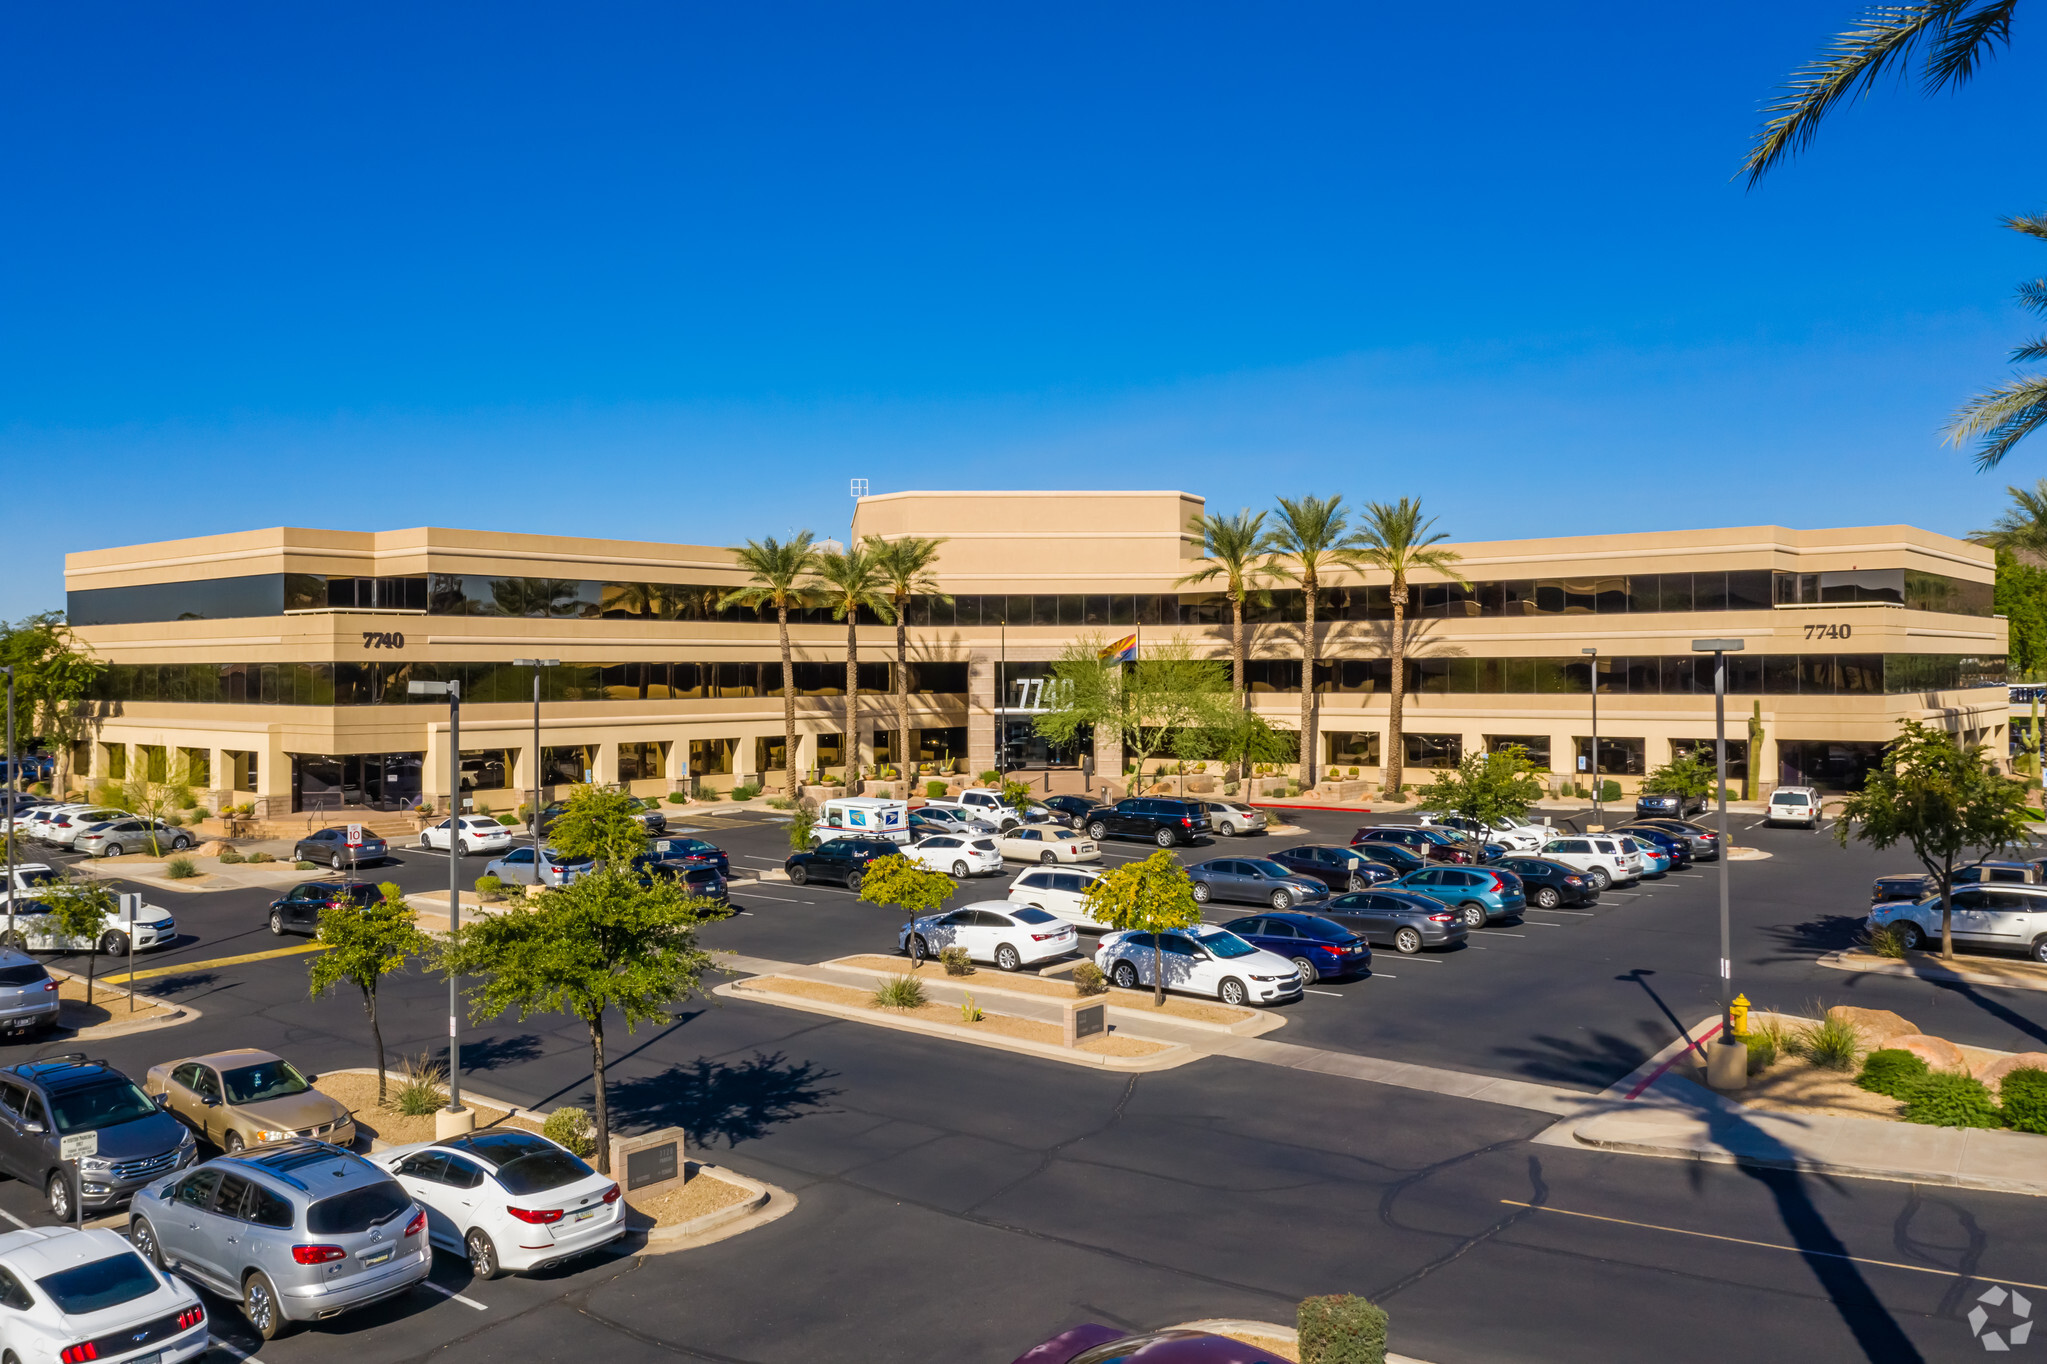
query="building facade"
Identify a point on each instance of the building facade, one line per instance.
(274, 666)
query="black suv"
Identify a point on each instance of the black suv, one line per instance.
(1158, 819)
(42, 1102)
(1670, 804)
(299, 909)
(841, 860)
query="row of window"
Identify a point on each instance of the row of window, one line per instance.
(1619, 756)
(475, 594)
(1671, 675)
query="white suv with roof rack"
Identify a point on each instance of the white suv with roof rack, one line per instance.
(1793, 805)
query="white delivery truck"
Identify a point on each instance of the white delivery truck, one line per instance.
(863, 817)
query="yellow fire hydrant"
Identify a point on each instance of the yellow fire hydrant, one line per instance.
(1737, 1012)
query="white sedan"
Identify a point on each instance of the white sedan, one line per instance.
(74, 1295)
(1047, 843)
(480, 834)
(132, 927)
(1202, 960)
(1010, 935)
(508, 1199)
(958, 855)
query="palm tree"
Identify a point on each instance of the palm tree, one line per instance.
(780, 571)
(2007, 414)
(1234, 550)
(1399, 541)
(1315, 533)
(2023, 524)
(905, 568)
(849, 581)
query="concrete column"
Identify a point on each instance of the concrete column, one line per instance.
(273, 778)
(981, 713)
(678, 765)
(604, 763)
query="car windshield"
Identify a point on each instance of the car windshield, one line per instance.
(264, 1080)
(1030, 914)
(41, 876)
(100, 1284)
(102, 1103)
(688, 847)
(1226, 945)
(358, 1209)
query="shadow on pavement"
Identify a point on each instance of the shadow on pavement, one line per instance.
(488, 1053)
(712, 1100)
(1592, 1061)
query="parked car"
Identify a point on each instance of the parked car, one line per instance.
(35, 816)
(1074, 807)
(331, 846)
(1096, 1344)
(961, 857)
(1319, 948)
(702, 882)
(1164, 820)
(247, 1097)
(129, 835)
(62, 828)
(135, 926)
(1431, 845)
(21, 807)
(647, 813)
(2001, 872)
(1548, 884)
(1203, 960)
(518, 866)
(942, 818)
(480, 834)
(1904, 886)
(295, 1231)
(298, 910)
(694, 851)
(1513, 835)
(1061, 893)
(1599, 857)
(28, 997)
(1047, 816)
(1253, 881)
(1399, 857)
(1046, 843)
(93, 1299)
(511, 1201)
(840, 861)
(1991, 918)
(1401, 920)
(1674, 846)
(986, 803)
(44, 1101)
(1656, 863)
(31, 877)
(1336, 868)
(1010, 935)
(1676, 804)
(1477, 894)
(1703, 842)
(1793, 805)
(1231, 818)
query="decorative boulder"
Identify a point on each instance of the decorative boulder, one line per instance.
(211, 848)
(1937, 1052)
(1874, 1027)
(1992, 1073)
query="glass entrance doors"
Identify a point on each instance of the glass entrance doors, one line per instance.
(335, 781)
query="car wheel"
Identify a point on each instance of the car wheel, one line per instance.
(920, 950)
(1125, 976)
(232, 1142)
(16, 940)
(1164, 838)
(1355, 883)
(113, 944)
(1226, 829)
(799, 876)
(1231, 991)
(143, 1237)
(1599, 878)
(1201, 892)
(1473, 914)
(180, 843)
(2039, 952)
(1282, 900)
(57, 1192)
(959, 870)
(1407, 942)
(1545, 897)
(1309, 975)
(276, 924)
(1909, 934)
(261, 1307)
(1098, 831)
(110, 850)
(483, 1256)
(336, 862)
(1048, 859)
(1008, 958)
(855, 881)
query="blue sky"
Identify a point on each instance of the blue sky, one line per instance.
(679, 272)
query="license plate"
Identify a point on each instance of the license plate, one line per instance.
(584, 1215)
(377, 1257)
(155, 1358)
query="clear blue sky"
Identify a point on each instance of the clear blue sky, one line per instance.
(678, 272)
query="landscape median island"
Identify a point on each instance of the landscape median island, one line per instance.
(1176, 1007)
(948, 1017)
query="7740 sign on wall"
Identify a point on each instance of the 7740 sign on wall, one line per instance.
(383, 639)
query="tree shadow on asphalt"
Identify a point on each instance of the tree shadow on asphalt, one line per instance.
(711, 1100)
(1837, 932)
(171, 987)
(1592, 1061)
(2001, 1012)
(488, 1053)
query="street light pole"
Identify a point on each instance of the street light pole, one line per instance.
(536, 664)
(1594, 763)
(453, 691)
(1727, 1064)
(14, 808)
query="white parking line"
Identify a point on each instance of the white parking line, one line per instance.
(12, 1218)
(1537, 923)
(1581, 913)
(756, 857)
(1502, 933)
(451, 1293)
(1331, 993)
(235, 1350)
(757, 895)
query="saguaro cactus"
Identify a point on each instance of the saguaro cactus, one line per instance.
(1755, 752)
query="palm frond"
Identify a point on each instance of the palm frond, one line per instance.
(2032, 224)
(2023, 525)
(850, 579)
(2032, 350)
(1965, 42)
(1399, 540)
(1999, 419)
(906, 565)
(2033, 295)
(1233, 548)
(778, 570)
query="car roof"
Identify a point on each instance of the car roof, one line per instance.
(60, 1071)
(316, 1167)
(233, 1056)
(39, 1251)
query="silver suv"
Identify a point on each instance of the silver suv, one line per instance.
(296, 1230)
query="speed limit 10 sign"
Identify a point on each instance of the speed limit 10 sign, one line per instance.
(355, 835)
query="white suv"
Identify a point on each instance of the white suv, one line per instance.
(1793, 805)
(1059, 891)
(1602, 859)
(986, 803)
(2000, 918)
(1516, 835)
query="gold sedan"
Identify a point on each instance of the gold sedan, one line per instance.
(246, 1097)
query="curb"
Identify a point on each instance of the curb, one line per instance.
(1260, 1022)
(1811, 1166)
(185, 1013)
(1174, 1055)
(1886, 966)
(1229, 1326)
(764, 1205)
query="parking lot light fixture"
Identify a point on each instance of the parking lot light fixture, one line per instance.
(1727, 1066)
(453, 691)
(14, 808)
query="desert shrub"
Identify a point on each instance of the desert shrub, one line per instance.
(970, 1012)
(570, 1126)
(181, 869)
(745, 791)
(175, 820)
(489, 888)
(1946, 1099)
(779, 803)
(678, 798)
(301, 864)
(1763, 1048)
(41, 788)
(956, 961)
(1088, 979)
(419, 1086)
(1891, 1071)
(707, 794)
(899, 992)
(934, 790)
(230, 856)
(990, 777)
(1341, 1329)
(801, 823)
(1609, 791)
(1829, 1044)
(1886, 940)
(2025, 1099)
(266, 857)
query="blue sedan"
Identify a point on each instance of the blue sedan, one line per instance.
(1318, 948)
(1477, 895)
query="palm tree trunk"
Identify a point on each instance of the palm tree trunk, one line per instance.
(1396, 743)
(603, 1108)
(788, 708)
(902, 677)
(369, 1006)
(852, 695)
(1308, 594)
(1237, 646)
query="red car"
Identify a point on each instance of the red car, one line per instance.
(1095, 1344)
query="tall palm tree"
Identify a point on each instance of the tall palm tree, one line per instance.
(1399, 541)
(2023, 524)
(1314, 534)
(2003, 416)
(905, 567)
(1233, 548)
(848, 581)
(780, 571)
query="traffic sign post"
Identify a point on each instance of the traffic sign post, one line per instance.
(354, 842)
(75, 1148)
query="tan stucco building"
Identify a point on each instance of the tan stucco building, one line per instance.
(273, 665)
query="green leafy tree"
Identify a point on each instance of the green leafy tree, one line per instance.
(79, 911)
(1941, 799)
(1146, 897)
(1398, 541)
(54, 672)
(1016, 794)
(2022, 601)
(1686, 774)
(598, 823)
(1233, 549)
(364, 944)
(153, 801)
(895, 881)
(1311, 537)
(1157, 697)
(850, 582)
(906, 572)
(780, 574)
(1487, 787)
(603, 943)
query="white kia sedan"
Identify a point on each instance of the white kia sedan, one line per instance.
(963, 857)
(1202, 960)
(1010, 935)
(480, 834)
(69, 1295)
(1047, 843)
(509, 1200)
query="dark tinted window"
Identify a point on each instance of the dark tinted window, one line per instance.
(357, 1210)
(463, 1174)
(541, 1171)
(1322, 928)
(233, 1189)
(197, 1189)
(104, 1103)
(31, 974)
(100, 1284)
(265, 1208)
(1029, 915)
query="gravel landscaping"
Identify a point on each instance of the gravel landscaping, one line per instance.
(1024, 1029)
(1176, 1006)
